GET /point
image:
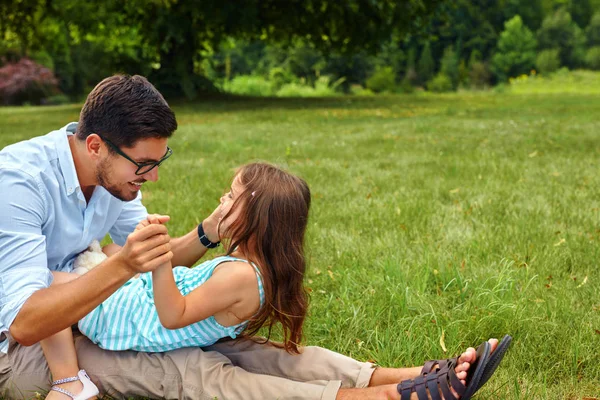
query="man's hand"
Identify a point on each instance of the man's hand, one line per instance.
(148, 246)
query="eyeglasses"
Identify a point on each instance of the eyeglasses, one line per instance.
(144, 167)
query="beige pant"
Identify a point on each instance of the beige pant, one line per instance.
(228, 370)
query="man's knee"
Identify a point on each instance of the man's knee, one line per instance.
(5, 373)
(174, 374)
(24, 371)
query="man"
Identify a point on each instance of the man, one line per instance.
(63, 190)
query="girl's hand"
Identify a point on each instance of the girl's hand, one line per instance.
(153, 219)
(211, 225)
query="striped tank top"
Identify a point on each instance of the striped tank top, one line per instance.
(128, 319)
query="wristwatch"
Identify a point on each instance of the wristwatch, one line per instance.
(204, 239)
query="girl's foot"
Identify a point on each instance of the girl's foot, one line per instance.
(76, 388)
(71, 387)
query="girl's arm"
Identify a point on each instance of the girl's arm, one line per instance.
(187, 249)
(111, 249)
(220, 292)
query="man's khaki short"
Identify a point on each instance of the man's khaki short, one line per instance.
(225, 371)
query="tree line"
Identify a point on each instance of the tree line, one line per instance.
(186, 47)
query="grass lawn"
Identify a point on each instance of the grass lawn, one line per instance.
(435, 220)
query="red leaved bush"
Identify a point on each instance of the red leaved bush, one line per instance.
(26, 81)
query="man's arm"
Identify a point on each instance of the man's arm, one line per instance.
(52, 309)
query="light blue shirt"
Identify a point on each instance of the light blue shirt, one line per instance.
(45, 220)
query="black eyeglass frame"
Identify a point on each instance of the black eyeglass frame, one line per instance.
(140, 166)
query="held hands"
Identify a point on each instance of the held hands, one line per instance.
(148, 246)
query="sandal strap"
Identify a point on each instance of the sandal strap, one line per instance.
(429, 386)
(419, 387)
(65, 380)
(455, 382)
(63, 391)
(446, 392)
(405, 389)
(428, 366)
(432, 385)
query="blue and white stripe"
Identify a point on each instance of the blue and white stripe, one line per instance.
(128, 319)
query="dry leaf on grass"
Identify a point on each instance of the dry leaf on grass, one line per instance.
(442, 338)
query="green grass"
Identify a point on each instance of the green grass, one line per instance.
(462, 216)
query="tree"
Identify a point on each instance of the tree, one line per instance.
(174, 32)
(530, 11)
(582, 11)
(411, 76)
(449, 66)
(84, 41)
(391, 54)
(466, 25)
(558, 31)
(516, 50)
(426, 64)
(593, 31)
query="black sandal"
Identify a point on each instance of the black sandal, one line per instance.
(495, 359)
(430, 384)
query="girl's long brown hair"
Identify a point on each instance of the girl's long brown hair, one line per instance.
(270, 233)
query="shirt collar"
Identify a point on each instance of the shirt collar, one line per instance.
(65, 157)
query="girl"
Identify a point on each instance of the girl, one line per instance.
(259, 282)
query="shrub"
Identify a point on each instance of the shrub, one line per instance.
(561, 81)
(358, 90)
(548, 61)
(56, 100)
(26, 82)
(249, 85)
(440, 83)
(279, 76)
(322, 88)
(384, 79)
(479, 75)
(592, 58)
(405, 86)
(296, 90)
(463, 74)
(410, 77)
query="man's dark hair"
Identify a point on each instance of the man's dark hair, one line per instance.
(125, 109)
